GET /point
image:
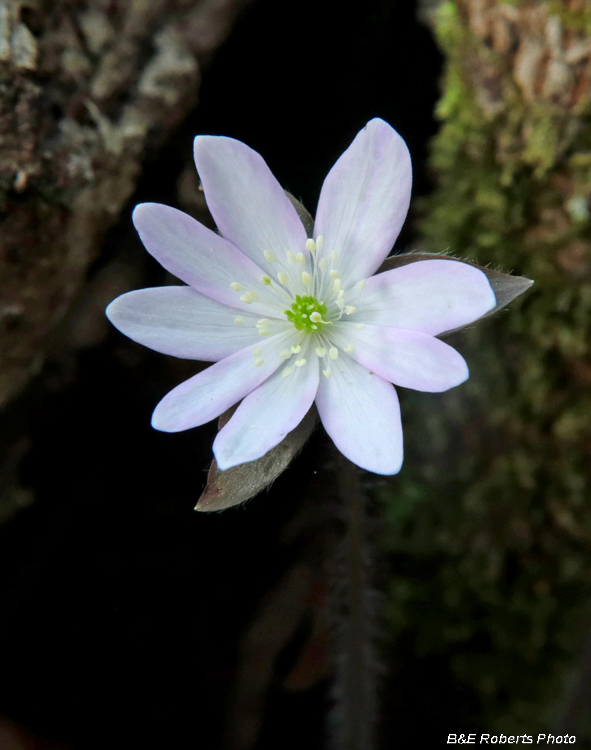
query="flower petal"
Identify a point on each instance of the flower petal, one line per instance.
(267, 415)
(202, 259)
(364, 200)
(179, 321)
(410, 359)
(432, 296)
(209, 393)
(360, 412)
(247, 203)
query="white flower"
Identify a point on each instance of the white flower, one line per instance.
(290, 320)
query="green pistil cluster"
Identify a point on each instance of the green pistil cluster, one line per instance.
(302, 310)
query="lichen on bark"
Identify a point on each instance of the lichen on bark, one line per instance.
(492, 499)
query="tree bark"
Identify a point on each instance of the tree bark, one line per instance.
(86, 86)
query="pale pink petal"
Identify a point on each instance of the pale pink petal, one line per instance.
(179, 321)
(360, 412)
(410, 359)
(364, 201)
(267, 414)
(432, 296)
(247, 203)
(202, 259)
(206, 395)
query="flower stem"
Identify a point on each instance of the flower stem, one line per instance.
(353, 716)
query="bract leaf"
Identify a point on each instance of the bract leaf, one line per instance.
(238, 484)
(505, 286)
(303, 213)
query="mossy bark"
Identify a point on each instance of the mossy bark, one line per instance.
(493, 503)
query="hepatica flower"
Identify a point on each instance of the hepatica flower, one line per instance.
(290, 320)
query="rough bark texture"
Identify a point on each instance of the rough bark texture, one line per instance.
(502, 463)
(86, 86)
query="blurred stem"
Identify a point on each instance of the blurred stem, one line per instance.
(354, 712)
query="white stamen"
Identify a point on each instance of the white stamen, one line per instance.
(327, 373)
(301, 259)
(337, 286)
(285, 354)
(360, 284)
(263, 323)
(311, 246)
(321, 351)
(283, 277)
(236, 286)
(291, 259)
(350, 310)
(296, 349)
(306, 278)
(349, 348)
(300, 362)
(270, 256)
(335, 274)
(266, 280)
(319, 242)
(323, 263)
(247, 298)
(316, 317)
(359, 326)
(258, 362)
(239, 320)
(257, 352)
(287, 372)
(341, 295)
(333, 352)
(334, 256)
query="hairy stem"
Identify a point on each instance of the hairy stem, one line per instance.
(354, 713)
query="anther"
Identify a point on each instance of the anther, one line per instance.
(337, 285)
(270, 256)
(335, 274)
(360, 284)
(319, 242)
(334, 255)
(306, 278)
(239, 320)
(333, 352)
(311, 246)
(327, 373)
(247, 298)
(291, 258)
(296, 349)
(350, 310)
(316, 317)
(263, 323)
(264, 332)
(285, 354)
(258, 362)
(257, 352)
(323, 263)
(349, 348)
(341, 295)
(321, 351)
(287, 372)
(236, 286)
(266, 280)
(301, 259)
(300, 362)
(359, 326)
(283, 277)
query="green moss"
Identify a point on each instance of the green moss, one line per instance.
(489, 520)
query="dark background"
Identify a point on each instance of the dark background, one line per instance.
(121, 608)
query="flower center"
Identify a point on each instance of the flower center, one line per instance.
(306, 314)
